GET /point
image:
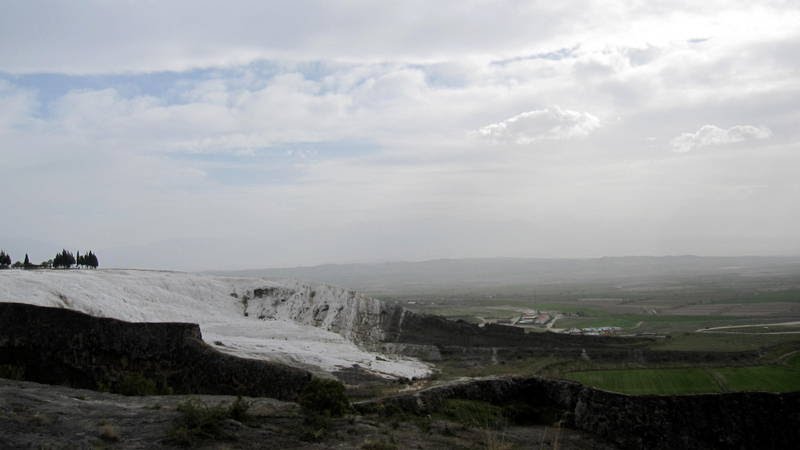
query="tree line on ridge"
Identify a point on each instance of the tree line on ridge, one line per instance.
(62, 260)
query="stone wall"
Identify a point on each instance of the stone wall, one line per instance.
(60, 346)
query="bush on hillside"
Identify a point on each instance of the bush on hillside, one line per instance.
(325, 397)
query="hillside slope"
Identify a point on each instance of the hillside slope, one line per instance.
(311, 326)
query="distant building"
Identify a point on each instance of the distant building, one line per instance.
(541, 319)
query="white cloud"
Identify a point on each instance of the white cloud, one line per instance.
(551, 123)
(711, 135)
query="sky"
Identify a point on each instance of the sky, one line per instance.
(197, 135)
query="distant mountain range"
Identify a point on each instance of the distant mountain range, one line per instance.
(466, 274)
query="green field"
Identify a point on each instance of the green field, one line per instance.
(693, 380)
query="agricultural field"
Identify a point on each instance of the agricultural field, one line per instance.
(713, 342)
(667, 306)
(680, 304)
(754, 313)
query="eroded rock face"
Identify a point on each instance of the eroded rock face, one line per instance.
(709, 421)
(354, 316)
(60, 346)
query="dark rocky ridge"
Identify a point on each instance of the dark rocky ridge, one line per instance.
(60, 346)
(465, 341)
(709, 421)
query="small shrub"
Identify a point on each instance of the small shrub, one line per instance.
(472, 413)
(134, 384)
(324, 397)
(41, 419)
(200, 421)
(320, 400)
(378, 445)
(315, 427)
(12, 371)
(520, 413)
(496, 441)
(109, 433)
(238, 409)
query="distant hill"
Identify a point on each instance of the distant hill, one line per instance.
(466, 274)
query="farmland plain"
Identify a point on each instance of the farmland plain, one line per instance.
(672, 301)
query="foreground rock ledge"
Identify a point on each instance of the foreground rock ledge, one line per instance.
(60, 346)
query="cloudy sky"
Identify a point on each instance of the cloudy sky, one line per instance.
(197, 135)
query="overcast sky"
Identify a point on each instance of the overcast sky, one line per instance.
(197, 135)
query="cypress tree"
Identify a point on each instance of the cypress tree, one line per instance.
(92, 260)
(5, 259)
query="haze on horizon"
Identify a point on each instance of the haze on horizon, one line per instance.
(200, 135)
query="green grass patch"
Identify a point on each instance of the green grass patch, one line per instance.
(760, 378)
(695, 380)
(649, 381)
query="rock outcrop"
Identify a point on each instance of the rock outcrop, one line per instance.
(60, 346)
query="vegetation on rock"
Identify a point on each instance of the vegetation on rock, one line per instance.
(200, 421)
